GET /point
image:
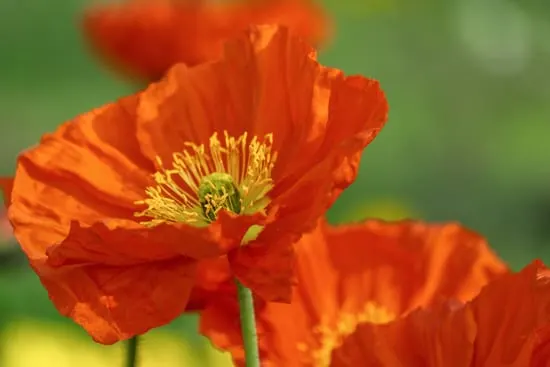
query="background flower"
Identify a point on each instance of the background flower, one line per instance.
(145, 38)
(6, 232)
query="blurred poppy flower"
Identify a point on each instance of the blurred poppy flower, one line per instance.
(145, 38)
(6, 232)
(116, 207)
(352, 274)
(507, 324)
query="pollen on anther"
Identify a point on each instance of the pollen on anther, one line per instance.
(245, 165)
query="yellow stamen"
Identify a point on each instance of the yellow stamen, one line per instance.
(235, 176)
(328, 336)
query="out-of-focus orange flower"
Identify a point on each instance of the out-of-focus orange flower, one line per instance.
(6, 183)
(5, 227)
(145, 38)
(507, 324)
(6, 232)
(348, 275)
(115, 207)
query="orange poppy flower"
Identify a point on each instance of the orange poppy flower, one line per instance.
(145, 38)
(115, 208)
(507, 324)
(347, 275)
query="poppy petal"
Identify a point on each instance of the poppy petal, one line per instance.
(505, 325)
(213, 278)
(114, 303)
(404, 343)
(130, 243)
(88, 170)
(265, 268)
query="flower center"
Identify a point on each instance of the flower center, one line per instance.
(328, 336)
(233, 175)
(217, 191)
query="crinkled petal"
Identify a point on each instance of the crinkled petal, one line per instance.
(509, 314)
(114, 303)
(131, 243)
(89, 170)
(213, 278)
(331, 119)
(266, 268)
(440, 337)
(505, 325)
(442, 249)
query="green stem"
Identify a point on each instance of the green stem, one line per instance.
(131, 352)
(248, 326)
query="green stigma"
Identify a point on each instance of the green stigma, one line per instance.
(218, 191)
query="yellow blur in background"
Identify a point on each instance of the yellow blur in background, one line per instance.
(382, 208)
(29, 343)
